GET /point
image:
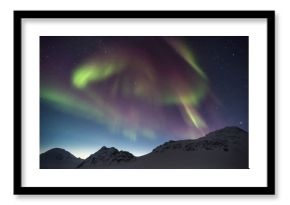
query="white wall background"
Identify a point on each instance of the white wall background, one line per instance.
(282, 98)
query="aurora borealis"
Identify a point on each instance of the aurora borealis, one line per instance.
(135, 93)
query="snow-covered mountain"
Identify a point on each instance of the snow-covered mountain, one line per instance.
(58, 158)
(222, 149)
(106, 157)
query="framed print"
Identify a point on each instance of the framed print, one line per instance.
(144, 102)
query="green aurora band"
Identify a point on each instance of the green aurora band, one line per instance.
(93, 72)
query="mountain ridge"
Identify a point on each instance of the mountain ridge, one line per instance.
(223, 148)
(107, 156)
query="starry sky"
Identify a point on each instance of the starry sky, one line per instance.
(136, 92)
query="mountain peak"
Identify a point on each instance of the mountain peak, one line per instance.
(56, 149)
(58, 158)
(233, 128)
(107, 156)
(233, 132)
(58, 153)
(105, 149)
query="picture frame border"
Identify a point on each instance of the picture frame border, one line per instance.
(269, 189)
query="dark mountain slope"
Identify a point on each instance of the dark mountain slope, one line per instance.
(106, 157)
(58, 158)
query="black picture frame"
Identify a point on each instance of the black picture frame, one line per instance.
(269, 189)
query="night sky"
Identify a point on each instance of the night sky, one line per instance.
(135, 93)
